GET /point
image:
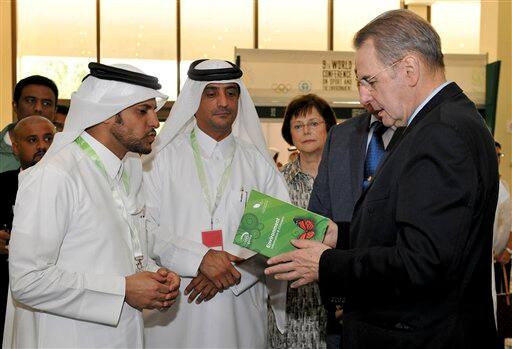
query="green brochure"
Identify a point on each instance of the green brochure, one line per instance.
(268, 224)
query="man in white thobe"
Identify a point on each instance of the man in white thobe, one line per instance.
(207, 158)
(79, 267)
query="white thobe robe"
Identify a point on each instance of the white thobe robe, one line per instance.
(70, 252)
(177, 213)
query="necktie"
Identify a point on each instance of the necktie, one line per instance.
(374, 153)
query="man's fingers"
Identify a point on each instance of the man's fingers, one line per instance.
(236, 275)
(195, 281)
(212, 294)
(304, 243)
(203, 294)
(289, 276)
(193, 295)
(162, 288)
(163, 272)
(298, 283)
(284, 257)
(280, 268)
(156, 276)
(174, 281)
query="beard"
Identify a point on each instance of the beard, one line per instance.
(141, 145)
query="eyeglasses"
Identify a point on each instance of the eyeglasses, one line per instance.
(311, 125)
(369, 83)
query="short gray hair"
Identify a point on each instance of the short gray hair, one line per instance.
(398, 32)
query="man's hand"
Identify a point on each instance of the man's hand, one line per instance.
(172, 280)
(300, 265)
(503, 258)
(4, 241)
(217, 267)
(331, 235)
(202, 288)
(147, 290)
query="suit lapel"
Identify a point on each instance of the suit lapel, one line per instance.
(449, 91)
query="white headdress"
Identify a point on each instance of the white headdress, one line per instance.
(99, 98)
(106, 91)
(181, 119)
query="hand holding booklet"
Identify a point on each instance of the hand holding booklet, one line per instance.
(268, 224)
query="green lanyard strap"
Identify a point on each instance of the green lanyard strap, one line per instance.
(202, 175)
(95, 158)
(134, 234)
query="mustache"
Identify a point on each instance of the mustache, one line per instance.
(39, 153)
(150, 133)
(223, 111)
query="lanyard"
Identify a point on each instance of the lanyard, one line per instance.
(114, 187)
(202, 177)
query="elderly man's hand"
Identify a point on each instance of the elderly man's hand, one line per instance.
(201, 288)
(217, 267)
(300, 265)
(4, 238)
(331, 235)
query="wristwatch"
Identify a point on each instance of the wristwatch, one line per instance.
(509, 250)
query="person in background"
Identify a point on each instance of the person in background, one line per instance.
(34, 95)
(60, 117)
(307, 120)
(32, 137)
(502, 237)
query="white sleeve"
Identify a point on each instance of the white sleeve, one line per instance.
(176, 253)
(44, 207)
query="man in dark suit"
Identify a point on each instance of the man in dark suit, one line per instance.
(32, 138)
(417, 271)
(339, 184)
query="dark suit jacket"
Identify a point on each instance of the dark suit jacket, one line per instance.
(418, 271)
(9, 185)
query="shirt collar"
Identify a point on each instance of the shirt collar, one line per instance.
(208, 145)
(113, 166)
(374, 119)
(439, 88)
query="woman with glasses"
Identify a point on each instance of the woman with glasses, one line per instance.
(307, 119)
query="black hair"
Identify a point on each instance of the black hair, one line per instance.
(34, 80)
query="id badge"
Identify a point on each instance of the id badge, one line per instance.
(213, 239)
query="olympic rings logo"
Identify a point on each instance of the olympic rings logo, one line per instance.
(281, 88)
